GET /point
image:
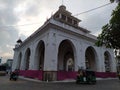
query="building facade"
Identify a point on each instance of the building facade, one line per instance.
(9, 65)
(59, 48)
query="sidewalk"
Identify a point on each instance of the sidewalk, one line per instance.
(67, 80)
(33, 84)
(36, 80)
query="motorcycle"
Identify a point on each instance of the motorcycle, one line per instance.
(13, 76)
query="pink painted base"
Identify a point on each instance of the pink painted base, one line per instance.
(106, 74)
(32, 74)
(62, 75)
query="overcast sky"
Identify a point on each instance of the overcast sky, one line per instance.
(20, 18)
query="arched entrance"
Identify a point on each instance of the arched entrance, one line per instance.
(40, 50)
(66, 58)
(90, 58)
(27, 58)
(19, 61)
(107, 62)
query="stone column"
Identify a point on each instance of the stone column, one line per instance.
(50, 61)
(31, 63)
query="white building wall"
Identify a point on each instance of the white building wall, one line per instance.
(22, 65)
(14, 65)
(100, 59)
(52, 39)
(77, 55)
(34, 48)
(50, 61)
(31, 56)
(33, 65)
(113, 62)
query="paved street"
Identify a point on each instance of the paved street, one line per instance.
(5, 84)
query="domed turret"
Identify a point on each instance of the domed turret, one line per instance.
(66, 17)
(62, 7)
(19, 41)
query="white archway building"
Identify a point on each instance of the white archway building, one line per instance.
(59, 48)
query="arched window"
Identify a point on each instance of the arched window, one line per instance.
(70, 64)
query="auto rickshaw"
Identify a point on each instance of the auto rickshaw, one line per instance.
(86, 77)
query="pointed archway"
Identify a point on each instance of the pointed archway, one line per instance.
(27, 58)
(39, 57)
(90, 58)
(66, 57)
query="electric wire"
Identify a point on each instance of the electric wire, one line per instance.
(92, 9)
(73, 15)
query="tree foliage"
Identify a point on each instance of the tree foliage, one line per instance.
(110, 36)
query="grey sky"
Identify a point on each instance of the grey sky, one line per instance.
(14, 13)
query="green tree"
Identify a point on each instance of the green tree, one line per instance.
(110, 35)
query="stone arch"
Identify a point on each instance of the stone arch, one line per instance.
(107, 61)
(39, 55)
(66, 56)
(27, 58)
(19, 60)
(90, 58)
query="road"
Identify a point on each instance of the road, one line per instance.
(5, 84)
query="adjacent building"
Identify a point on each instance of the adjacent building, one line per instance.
(9, 65)
(59, 48)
